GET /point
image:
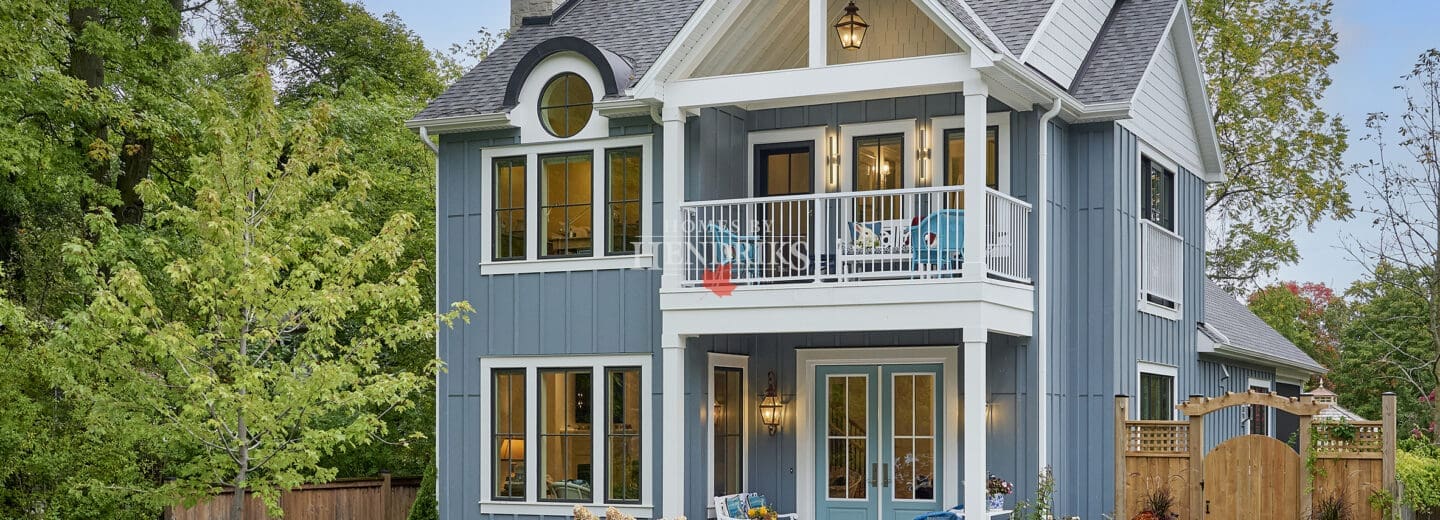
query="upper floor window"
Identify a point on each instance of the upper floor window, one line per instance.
(622, 200)
(508, 216)
(955, 157)
(1157, 200)
(565, 204)
(566, 103)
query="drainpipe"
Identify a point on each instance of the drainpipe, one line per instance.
(1042, 287)
(425, 138)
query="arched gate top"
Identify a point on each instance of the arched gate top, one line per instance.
(1304, 406)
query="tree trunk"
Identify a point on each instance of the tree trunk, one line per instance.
(90, 68)
(135, 164)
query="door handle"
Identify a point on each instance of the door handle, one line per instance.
(874, 474)
(886, 472)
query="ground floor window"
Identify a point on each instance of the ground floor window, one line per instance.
(1260, 415)
(1157, 392)
(568, 430)
(728, 424)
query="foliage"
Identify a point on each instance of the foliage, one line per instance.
(1385, 346)
(1332, 507)
(1310, 315)
(1157, 503)
(1383, 502)
(1420, 474)
(1044, 506)
(1268, 64)
(425, 506)
(1403, 258)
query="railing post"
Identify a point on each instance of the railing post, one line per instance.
(1196, 437)
(1122, 441)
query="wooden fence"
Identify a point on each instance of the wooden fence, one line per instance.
(360, 499)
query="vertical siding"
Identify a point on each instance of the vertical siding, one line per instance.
(1060, 49)
(715, 144)
(1211, 381)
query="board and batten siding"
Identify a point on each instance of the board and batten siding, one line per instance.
(1065, 38)
(1097, 333)
(556, 313)
(1230, 422)
(1163, 111)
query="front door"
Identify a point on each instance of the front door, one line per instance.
(785, 170)
(878, 441)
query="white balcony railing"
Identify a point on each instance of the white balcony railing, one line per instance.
(1161, 254)
(891, 234)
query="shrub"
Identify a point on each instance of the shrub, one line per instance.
(1332, 507)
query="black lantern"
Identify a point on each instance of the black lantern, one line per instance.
(851, 28)
(770, 407)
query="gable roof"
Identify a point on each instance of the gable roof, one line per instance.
(1243, 331)
(1121, 53)
(958, 10)
(635, 30)
(1013, 21)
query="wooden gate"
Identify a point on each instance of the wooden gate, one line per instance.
(1252, 476)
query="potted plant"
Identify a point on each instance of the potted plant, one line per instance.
(762, 513)
(1157, 505)
(995, 490)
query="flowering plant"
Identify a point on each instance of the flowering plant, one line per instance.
(762, 513)
(997, 486)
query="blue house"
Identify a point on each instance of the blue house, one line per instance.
(855, 256)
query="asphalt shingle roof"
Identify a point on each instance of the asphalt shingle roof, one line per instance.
(957, 9)
(1248, 332)
(1116, 63)
(636, 30)
(1013, 21)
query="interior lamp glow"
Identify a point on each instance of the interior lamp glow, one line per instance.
(850, 27)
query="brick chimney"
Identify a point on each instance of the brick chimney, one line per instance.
(521, 9)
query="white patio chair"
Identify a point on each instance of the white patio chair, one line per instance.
(748, 501)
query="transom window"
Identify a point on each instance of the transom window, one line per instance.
(566, 103)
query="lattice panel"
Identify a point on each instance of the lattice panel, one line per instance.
(1369, 438)
(1157, 437)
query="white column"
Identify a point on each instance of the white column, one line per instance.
(671, 249)
(673, 419)
(819, 31)
(976, 98)
(974, 366)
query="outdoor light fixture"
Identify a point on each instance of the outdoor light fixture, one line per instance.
(922, 153)
(851, 28)
(833, 159)
(770, 407)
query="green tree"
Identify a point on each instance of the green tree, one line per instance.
(258, 339)
(1268, 66)
(1387, 349)
(1310, 315)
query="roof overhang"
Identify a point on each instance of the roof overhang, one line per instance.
(1231, 351)
(466, 123)
(1213, 169)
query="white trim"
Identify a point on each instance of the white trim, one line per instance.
(718, 360)
(1160, 311)
(1144, 150)
(807, 360)
(532, 366)
(457, 124)
(534, 227)
(1269, 412)
(815, 135)
(849, 132)
(819, 85)
(1146, 367)
(938, 127)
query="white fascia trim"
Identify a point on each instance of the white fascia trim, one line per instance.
(848, 133)
(741, 362)
(1199, 100)
(1146, 367)
(532, 366)
(938, 127)
(1256, 382)
(533, 263)
(822, 84)
(819, 153)
(806, 361)
(682, 49)
(468, 123)
(625, 107)
(1160, 311)
(1237, 353)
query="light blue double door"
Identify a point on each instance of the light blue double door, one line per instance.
(878, 441)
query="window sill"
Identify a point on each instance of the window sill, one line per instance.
(596, 263)
(1161, 311)
(558, 509)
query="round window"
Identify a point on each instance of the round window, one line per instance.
(565, 104)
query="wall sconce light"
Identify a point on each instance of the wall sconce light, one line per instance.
(922, 153)
(850, 27)
(833, 160)
(770, 407)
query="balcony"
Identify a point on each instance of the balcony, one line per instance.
(1161, 265)
(856, 237)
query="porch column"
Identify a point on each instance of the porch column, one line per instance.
(977, 97)
(673, 176)
(974, 366)
(673, 419)
(819, 27)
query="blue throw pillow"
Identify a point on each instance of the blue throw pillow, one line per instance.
(735, 506)
(757, 500)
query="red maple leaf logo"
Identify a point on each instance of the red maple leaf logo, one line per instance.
(718, 280)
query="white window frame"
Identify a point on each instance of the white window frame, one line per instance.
(1156, 369)
(534, 228)
(819, 156)
(848, 133)
(1145, 151)
(1269, 412)
(940, 125)
(742, 362)
(532, 365)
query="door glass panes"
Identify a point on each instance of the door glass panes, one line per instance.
(509, 428)
(879, 165)
(566, 450)
(784, 169)
(729, 422)
(1156, 397)
(622, 435)
(847, 436)
(623, 200)
(566, 205)
(914, 436)
(955, 162)
(509, 233)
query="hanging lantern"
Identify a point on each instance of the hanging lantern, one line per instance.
(851, 28)
(770, 407)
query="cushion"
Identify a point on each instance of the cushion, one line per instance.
(736, 506)
(757, 500)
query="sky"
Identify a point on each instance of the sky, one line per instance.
(1379, 42)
